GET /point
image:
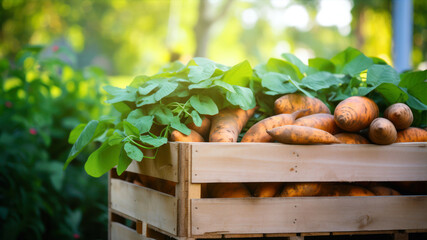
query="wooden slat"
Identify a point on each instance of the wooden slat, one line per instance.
(310, 214)
(119, 232)
(164, 166)
(275, 162)
(154, 208)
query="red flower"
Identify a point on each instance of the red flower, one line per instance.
(33, 131)
(55, 48)
(8, 104)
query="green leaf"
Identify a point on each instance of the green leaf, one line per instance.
(173, 67)
(204, 61)
(162, 114)
(150, 86)
(86, 136)
(203, 104)
(321, 64)
(203, 84)
(176, 124)
(75, 133)
(133, 152)
(357, 65)
(139, 81)
(320, 80)
(416, 84)
(280, 66)
(155, 142)
(224, 85)
(392, 93)
(142, 122)
(239, 74)
(344, 57)
(279, 83)
(103, 159)
(145, 100)
(197, 120)
(297, 85)
(298, 63)
(130, 129)
(243, 97)
(124, 162)
(414, 103)
(121, 95)
(378, 74)
(199, 73)
(122, 107)
(165, 89)
(115, 138)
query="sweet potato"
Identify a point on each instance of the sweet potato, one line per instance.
(228, 123)
(228, 190)
(400, 115)
(382, 131)
(355, 113)
(339, 189)
(292, 134)
(293, 102)
(301, 189)
(351, 138)
(258, 132)
(383, 191)
(412, 134)
(323, 121)
(203, 130)
(266, 189)
(177, 136)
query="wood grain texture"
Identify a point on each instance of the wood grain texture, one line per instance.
(164, 166)
(274, 162)
(119, 232)
(154, 208)
(310, 214)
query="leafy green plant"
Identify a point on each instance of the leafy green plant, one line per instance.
(152, 106)
(42, 97)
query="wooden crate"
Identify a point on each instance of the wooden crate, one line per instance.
(190, 165)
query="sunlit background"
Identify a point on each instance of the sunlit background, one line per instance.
(127, 38)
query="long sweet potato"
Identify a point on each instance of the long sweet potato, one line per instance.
(400, 115)
(355, 113)
(228, 123)
(292, 134)
(203, 130)
(290, 103)
(344, 190)
(323, 121)
(382, 131)
(412, 134)
(351, 138)
(267, 189)
(258, 132)
(227, 190)
(301, 189)
(383, 191)
(177, 136)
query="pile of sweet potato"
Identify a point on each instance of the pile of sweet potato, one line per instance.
(300, 119)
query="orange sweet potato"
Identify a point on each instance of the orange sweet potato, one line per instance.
(323, 121)
(338, 189)
(292, 134)
(383, 191)
(228, 123)
(258, 132)
(412, 134)
(203, 130)
(355, 113)
(351, 138)
(267, 189)
(177, 136)
(293, 102)
(382, 131)
(400, 115)
(301, 189)
(228, 190)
